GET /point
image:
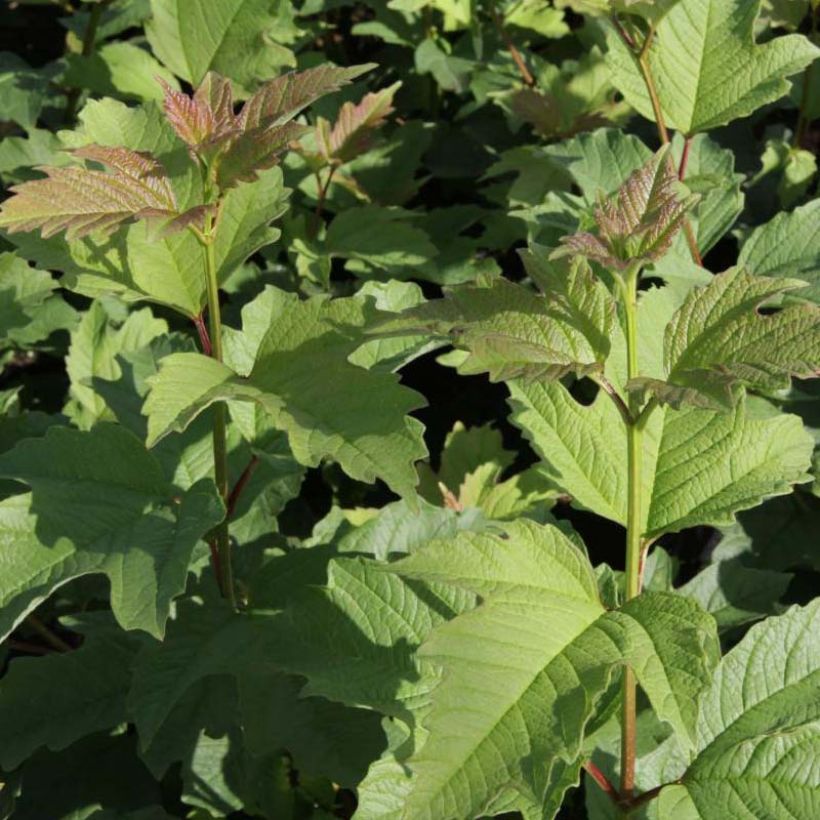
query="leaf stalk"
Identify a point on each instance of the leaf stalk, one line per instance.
(220, 417)
(633, 528)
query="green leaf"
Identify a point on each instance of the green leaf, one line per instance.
(600, 160)
(382, 237)
(736, 594)
(95, 345)
(524, 670)
(22, 91)
(510, 331)
(639, 222)
(402, 528)
(302, 349)
(355, 639)
(193, 37)
(718, 341)
(99, 504)
(451, 73)
(203, 640)
(787, 246)
(726, 461)
(118, 69)
(322, 737)
(758, 728)
(77, 693)
(698, 46)
(30, 308)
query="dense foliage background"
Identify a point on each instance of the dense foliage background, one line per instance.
(483, 127)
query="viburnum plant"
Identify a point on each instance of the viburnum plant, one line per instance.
(233, 582)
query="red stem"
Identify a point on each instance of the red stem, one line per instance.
(240, 485)
(602, 780)
(202, 330)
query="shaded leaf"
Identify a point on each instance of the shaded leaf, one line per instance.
(98, 504)
(77, 693)
(509, 331)
(301, 351)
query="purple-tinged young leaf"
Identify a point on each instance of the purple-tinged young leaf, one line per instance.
(79, 201)
(353, 132)
(639, 221)
(205, 118)
(280, 100)
(249, 153)
(550, 117)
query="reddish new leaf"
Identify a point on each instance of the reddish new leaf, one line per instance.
(249, 153)
(280, 100)
(79, 201)
(639, 222)
(207, 117)
(355, 127)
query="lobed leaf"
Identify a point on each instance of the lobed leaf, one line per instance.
(300, 351)
(99, 503)
(79, 200)
(353, 132)
(511, 332)
(523, 671)
(718, 341)
(758, 728)
(707, 66)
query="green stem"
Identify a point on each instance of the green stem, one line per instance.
(223, 542)
(633, 528)
(89, 41)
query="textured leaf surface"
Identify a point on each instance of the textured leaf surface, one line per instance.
(193, 37)
(718, 341)
(639, 222)
(759, 729)
(523, 671)
(77, 693)
(99, 504)
(706, 65)
(700, 467)
(30, 308)
(353, 131)
(787, 246)
(137, 266)
(301, 350)
(79, 201)
(355, 639)
(510, 331)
